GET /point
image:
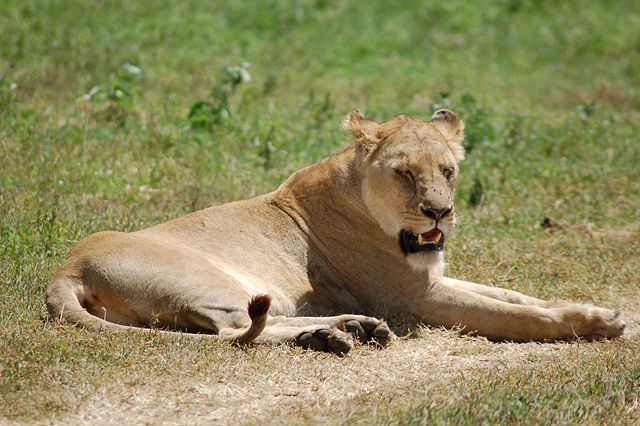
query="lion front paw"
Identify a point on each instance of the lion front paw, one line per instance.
(591, 322)
(607, 324)
(368, 329)
(326, 340)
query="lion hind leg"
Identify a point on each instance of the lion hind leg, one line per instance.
(64, 303)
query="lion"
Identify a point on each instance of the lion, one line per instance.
(312, 263)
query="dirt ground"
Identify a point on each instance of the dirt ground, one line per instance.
(283, 384)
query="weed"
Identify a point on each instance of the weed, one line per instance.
(477, 192)
(7, 92)
(217, 110)
(267, 148)
(320, 108)
(116, 98)
(586, 109)
(514, 130)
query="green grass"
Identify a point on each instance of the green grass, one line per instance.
(596, 387)
(550, 95)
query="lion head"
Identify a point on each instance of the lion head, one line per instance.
(409, 170)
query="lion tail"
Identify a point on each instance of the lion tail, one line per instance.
(258, 309)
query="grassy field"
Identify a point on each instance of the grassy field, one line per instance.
(120, 115)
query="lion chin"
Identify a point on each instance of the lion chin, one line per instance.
(432, 261)
(423, 251)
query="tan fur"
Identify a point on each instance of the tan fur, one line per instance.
(326, 242)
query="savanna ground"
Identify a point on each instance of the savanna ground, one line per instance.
(119, 115)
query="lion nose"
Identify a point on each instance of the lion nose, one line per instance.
(435, 214)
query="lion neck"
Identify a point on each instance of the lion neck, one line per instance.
(326, 202)
(326, 196)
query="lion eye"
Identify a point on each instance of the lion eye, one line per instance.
(447, 173)
(407, 175)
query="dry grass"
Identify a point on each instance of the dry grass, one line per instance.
(184, 382)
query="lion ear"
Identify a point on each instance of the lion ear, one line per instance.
(362, 130)
(452, 128)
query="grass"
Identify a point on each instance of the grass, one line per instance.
(551, 98)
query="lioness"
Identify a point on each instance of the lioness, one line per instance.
(360, 232)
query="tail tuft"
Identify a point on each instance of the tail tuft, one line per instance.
(259, 306)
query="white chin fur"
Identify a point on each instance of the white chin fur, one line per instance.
(427, 260)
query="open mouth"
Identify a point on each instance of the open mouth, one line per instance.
(429, 241)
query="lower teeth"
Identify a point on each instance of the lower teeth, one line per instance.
(422, 241)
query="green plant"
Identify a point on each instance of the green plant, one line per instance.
(319, 107)
(477, 192)
(120, 90)
(217, 110)
(7, 92)
(586, 109)
(115, 99)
